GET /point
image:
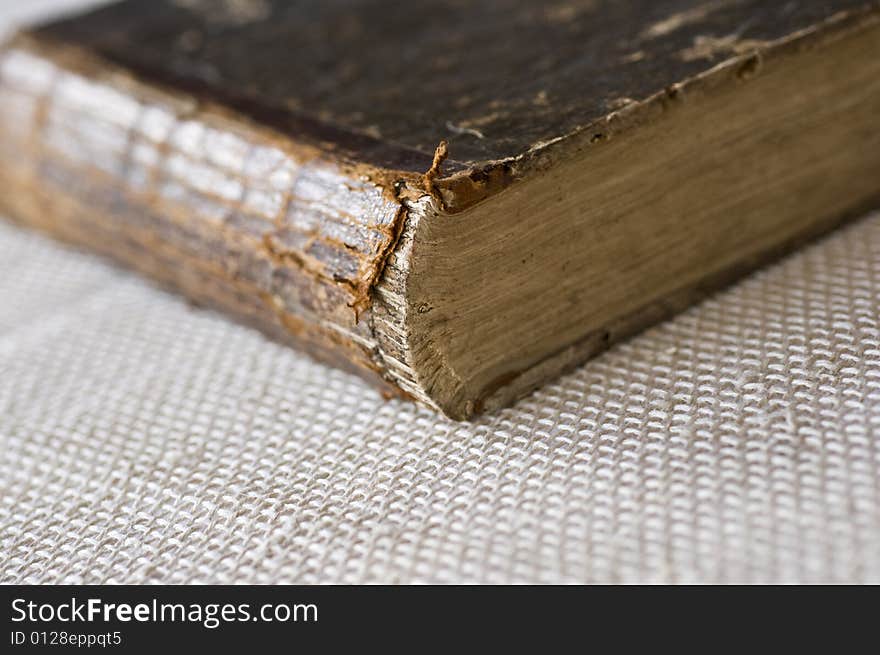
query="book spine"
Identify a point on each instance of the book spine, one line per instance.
(232, 215)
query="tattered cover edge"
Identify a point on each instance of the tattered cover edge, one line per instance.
(329, 313)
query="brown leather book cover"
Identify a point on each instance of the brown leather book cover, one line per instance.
(456, 200)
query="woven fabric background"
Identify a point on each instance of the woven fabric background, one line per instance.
(143, 440)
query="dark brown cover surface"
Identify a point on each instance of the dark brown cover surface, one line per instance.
(384, 81)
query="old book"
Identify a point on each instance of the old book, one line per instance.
(457, 200)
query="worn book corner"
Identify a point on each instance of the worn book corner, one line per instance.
(455, 200)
